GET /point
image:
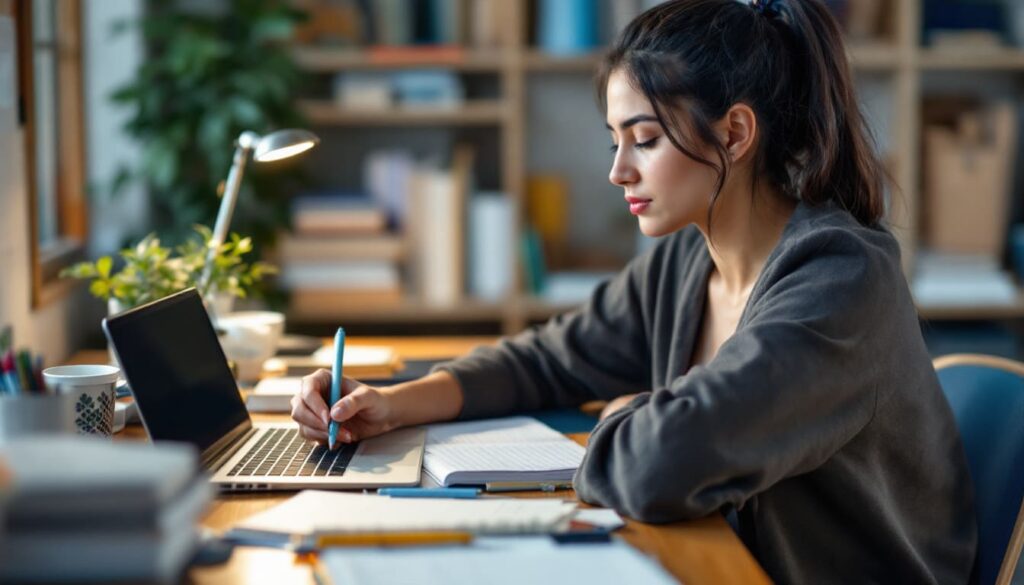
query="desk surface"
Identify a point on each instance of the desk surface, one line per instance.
(695, 551)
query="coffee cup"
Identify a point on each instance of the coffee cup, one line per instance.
(91, 389)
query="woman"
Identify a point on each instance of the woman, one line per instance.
(764, 360)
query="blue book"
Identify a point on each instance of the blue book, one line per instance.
(567, 27)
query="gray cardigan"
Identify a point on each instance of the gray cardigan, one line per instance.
(819, 428)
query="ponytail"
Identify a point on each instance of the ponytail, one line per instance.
(783, 58)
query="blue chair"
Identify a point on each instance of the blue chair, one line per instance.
(987, 397)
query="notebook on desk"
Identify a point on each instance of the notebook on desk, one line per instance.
(184, 391)
(512, 449)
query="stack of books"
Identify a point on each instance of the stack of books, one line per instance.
(85, 509)
(339, 254)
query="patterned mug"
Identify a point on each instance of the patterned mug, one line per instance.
(91, 387)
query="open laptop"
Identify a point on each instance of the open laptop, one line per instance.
(184, 390)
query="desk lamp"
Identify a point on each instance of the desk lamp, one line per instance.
(275, 146)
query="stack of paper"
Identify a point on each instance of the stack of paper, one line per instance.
(494, 561)
(507, 449)
(314, 512)
(82, 509)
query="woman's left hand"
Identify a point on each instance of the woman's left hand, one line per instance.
(615, 405)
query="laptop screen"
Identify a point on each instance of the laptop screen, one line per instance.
(177, 370)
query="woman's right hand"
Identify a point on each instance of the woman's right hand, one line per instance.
(363, 411)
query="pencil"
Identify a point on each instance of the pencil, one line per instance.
(394, 539)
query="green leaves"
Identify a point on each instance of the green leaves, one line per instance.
(208, 76)
(150, 271)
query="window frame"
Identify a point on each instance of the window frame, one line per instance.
(46, 262)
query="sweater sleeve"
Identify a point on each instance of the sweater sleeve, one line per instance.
(794, 383)
(596, 352)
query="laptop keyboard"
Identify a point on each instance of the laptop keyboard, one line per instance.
(284, 453)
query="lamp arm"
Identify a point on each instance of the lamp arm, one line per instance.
(227, 208)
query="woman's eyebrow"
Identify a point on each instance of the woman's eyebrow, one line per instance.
(633, 121)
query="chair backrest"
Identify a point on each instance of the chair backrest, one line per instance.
(987, 397)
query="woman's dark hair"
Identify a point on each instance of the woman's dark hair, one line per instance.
(785, 59)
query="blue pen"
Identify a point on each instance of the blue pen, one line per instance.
(339, 353)
(440, 492)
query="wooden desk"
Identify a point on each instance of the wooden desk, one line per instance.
(695, 551)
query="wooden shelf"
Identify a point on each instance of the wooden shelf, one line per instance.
(971, 60)
(539, 62)
(410, 311)
(878, 56)
(476, 113)
(330, 60)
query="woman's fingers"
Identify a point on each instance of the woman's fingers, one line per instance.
(304, 416)
(352, 404)
(312, 434)
(314, 386)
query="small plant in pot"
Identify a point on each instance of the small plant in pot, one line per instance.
(149, 271)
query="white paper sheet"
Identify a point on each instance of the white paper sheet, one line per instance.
(313, 511)
(495, 561)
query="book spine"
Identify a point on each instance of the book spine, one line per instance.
(491, 240)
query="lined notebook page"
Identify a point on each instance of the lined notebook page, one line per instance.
(316, 511)
(516, 448)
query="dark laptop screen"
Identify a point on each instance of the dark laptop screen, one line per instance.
(177, 370)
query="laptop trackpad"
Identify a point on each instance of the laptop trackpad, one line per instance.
(381, 454)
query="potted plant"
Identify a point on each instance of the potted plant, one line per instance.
(150, 271)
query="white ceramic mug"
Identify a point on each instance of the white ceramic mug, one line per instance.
(249, 338)
(91, 388)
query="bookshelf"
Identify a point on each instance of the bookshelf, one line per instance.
(896, 60)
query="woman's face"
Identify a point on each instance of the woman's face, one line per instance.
(664, 188)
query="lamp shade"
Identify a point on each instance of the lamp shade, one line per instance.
(283, 144)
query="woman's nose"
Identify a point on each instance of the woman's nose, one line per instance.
(623, 172)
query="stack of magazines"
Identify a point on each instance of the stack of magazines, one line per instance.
(84, 509)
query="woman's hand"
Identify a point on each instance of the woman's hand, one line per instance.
(364, 411)
(616, 405)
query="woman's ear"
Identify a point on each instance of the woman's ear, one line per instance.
(738, 131)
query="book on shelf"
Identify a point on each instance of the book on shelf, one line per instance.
(363, 90)
(439, 204)
(307, 302)
(491, 245)
(337, 215)
(384, 247)
(349, 275)
(567, 27)
(388, 175)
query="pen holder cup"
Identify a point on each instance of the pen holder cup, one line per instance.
(91, 390)
(35, 414)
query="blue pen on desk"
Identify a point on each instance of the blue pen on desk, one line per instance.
(439, 492)
(336, 373)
